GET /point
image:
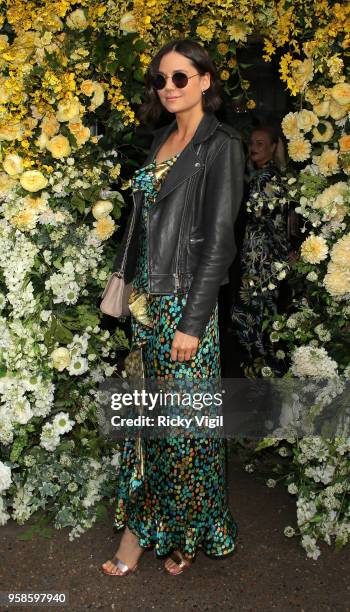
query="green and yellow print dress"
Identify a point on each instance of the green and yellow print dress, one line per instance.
(178, 500)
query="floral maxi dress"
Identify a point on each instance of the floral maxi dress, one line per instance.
(180, 500)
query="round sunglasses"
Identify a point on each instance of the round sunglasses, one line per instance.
(180, 80)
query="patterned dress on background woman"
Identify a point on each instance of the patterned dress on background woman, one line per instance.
(265, 242)
(178, 500)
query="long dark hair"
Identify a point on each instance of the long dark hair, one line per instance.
(150, 111)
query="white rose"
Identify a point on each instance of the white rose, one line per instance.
(60, 358)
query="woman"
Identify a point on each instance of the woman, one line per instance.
(176, 251)
(265, 241)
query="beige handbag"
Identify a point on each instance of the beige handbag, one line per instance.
(115, 297)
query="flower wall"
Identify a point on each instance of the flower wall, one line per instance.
(68, 68)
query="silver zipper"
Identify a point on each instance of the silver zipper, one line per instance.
(121, 270)
(177, 283)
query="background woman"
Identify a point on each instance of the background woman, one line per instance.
(265, 241)
(178, 246)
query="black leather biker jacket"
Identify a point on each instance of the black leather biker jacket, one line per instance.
(191, 241)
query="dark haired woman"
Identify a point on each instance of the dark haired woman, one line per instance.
(178, 245)
(265, 242)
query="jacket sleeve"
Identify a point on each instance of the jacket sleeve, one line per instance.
(222, 200)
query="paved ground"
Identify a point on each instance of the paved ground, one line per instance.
(267, 571)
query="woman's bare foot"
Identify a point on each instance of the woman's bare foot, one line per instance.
(129, 552)
(176, 567)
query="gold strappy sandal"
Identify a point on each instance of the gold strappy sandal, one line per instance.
(180, 561)
(125, 569)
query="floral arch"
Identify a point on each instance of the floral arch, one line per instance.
(65, 65)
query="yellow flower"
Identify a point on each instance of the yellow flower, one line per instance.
(102, 208)
(306, 120)
(104, 228)
(35, 205)
(13, 164)
(337, 111)
(314, 249)
(97, 98)
(59, 147)
(322, 108)
(128, 22)
(115, 171)
(340, 254)
(224, 75)
(204, 32)
(290, 126)
(80, 132)
(68, 110)
(341, 93)
(327, 162)
(11, 131)
(302, 72)
(299, 149)
(50, 125)
(33, 180)
(337, 280)
(6, 184)
(25, 220)
(232, 63)
(77, 20)
(60, 358)
(238, 30)
(223, 48)
(332, 201)
(251, 104)
(325, 135)
(344, 143)
(87, 87)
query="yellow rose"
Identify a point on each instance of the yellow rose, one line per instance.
(6, 184)
(327, 162)
(98, 97)
(337, 111)
(104, 227)
(224, 75)
(299, 149)
(128, 23)
(306, 120)
(42, 141)
(337, 280)
(36, 205)
(341, 93)
(87, 87)
(50, 126)
(325, 135)
(68, 110)
(11, 131)
(77, 20)
(59, 147)
(290, 126)
(102, 208)
(60, 358)
(80, 132)
(340, 254)
(25, 220)
(33, 180)
(344, 143)
(13, 164)
(314, 249)
(322, 108)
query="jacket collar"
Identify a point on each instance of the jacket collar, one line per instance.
(205, 129)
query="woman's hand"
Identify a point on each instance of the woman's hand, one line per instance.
(184, 346)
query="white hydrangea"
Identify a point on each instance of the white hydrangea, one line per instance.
(5, 477)
(312, 361)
